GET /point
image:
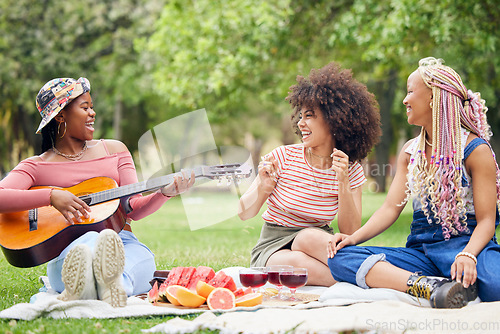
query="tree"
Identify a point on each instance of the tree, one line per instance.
(394, 35)
(46, 39)
(236, 59)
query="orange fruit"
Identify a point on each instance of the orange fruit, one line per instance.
(248, 300)
(188, 298)
(171, 294)
(203, 289)
(221, 299)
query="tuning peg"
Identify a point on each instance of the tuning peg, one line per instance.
(228, 181)
(219, 181)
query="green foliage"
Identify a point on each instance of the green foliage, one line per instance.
(42, 40)
(149, 61)
(214, 55)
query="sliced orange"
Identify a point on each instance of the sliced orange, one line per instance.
(204, 289)
(171, 294)
(221, 299)
(248, 300)
(188, 298)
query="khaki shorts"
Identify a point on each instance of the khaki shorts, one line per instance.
(274, 238)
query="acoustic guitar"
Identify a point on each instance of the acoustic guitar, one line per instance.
(30, 238)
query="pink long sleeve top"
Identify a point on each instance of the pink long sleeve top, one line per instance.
(15, 196)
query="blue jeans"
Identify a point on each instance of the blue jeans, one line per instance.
(426, 252)
(139, 263)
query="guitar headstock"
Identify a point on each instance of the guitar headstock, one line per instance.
(235, 171)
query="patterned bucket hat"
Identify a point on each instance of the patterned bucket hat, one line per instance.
(56, 94)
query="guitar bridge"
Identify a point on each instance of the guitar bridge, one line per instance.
(33, 219)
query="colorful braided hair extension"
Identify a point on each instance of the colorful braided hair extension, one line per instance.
(453, 107)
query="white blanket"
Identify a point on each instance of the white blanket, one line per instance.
(46, 304)
(340, 307)
(377, 317)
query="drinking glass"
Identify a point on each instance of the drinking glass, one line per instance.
(293, 279)
(253, 277)
(273, 276)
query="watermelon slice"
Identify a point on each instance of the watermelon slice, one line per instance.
(174, 276)
(204, 274)
(221, 280)
(240, 292)
(153, 294)
(162, 293)
(186, 276)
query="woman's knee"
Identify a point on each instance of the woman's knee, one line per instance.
(310, 239)
(288, 257)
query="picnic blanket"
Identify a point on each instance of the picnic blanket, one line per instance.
(388, 316)
(342, 306)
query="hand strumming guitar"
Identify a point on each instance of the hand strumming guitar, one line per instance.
(69, 205)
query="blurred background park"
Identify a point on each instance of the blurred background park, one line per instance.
(149, 61)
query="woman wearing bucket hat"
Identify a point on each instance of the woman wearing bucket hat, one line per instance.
(105, 265)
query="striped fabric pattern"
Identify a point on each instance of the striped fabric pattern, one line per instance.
(305, 196)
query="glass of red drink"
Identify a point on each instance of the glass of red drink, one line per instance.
(293, 279)
(273, 277)
(253, 277)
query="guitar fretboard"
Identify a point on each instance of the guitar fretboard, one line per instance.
(212, 172)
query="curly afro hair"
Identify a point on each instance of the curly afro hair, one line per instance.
(350, 110)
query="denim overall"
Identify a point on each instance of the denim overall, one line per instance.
(426, 252)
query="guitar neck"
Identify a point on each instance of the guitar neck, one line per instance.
(212, 172)
(134, 188)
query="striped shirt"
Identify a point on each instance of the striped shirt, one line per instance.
(305, 196)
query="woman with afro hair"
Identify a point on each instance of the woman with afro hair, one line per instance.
(307, 185)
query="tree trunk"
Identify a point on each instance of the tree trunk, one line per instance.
(384, 91)
(494, 116)
(117, 117)
(287, 135)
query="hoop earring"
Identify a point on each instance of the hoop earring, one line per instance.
(431, 105)
(58, 129)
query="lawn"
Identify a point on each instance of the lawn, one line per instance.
(168, 235)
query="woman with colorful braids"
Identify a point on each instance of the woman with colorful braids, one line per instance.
(307, 185)
(449, 171)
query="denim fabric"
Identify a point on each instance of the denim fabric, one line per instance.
(472, 146)
(139, 263)
(467, 151)
(426, 252)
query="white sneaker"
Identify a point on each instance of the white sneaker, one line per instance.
(108, 263)
(77, 275)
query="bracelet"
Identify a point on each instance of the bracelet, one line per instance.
(469, 255)
(167, 196)
(50, 196)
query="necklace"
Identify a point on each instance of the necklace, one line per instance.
(317, 155)
(322, 191)
(321, 157)
(72, 157)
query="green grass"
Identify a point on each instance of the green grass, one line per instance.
(167, 234)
